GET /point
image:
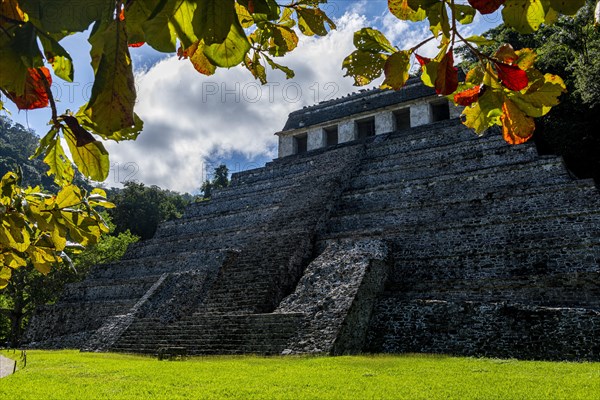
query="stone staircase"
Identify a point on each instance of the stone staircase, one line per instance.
(213, 334)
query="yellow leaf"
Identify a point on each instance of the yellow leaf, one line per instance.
(396, 69)
(485, 112)
(401, 10)
(59, 164)
(538, 102)
(13, 232)
(91, 159)
(68, 196)
(525, 16)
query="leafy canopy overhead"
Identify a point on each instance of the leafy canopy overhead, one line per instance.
(504, 88)
(210, 33)
(37, 227)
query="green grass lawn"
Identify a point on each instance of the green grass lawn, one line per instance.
(74, 375)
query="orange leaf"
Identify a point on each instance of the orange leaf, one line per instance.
(122, 14)
(486, 6)
(34, 95)
(468, 97)
(517, 128)
(512, 77)
(447, 78)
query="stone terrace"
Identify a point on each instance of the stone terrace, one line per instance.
(427, 239)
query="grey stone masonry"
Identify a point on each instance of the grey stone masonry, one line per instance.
(337, 293)
(428, 239)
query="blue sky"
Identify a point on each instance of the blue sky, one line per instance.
(193, 122)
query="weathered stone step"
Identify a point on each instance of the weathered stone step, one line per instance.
(571, 195)
(66, 318)
(214, 224)
(404, 219)
(541, 288)
(492, 235)
(152, 266)
(107, 289)
(443, 133)
(311, 163)
(245, 198)
(415, 168)
(173, 245)
(259, 333)
(497, 329)
(466, 151)
(546, 257)
(546, 170)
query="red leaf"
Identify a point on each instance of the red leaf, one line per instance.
(468, 97)
(138, 44)
(512, 77)
(35, 95)
(251, 6)
(486, 6)
(447, 78)
(422, 60)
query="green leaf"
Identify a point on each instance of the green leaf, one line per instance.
(464, 14)
(25, 43)
(159, 34)
(113, 94)
(214, 19)
(364, 66)
(58, 16)
(525, 16)
(369, 39)
(289, 74)
(401, 10)
(232, 51)
(182, 18)
(567, 7)
(484, 113)
(43, 258)
(45, 143)
(311, 21)
(130, 133)
(396, 69)
(14, 72)
(59, 164)
(256, 68)
(480, 40)
(438, 20)
(61, 61)
(538, 103)
(282, 40)
(91, 159)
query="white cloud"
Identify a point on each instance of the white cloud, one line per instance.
(191, 119)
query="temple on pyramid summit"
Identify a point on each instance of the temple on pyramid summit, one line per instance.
(384, 226)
